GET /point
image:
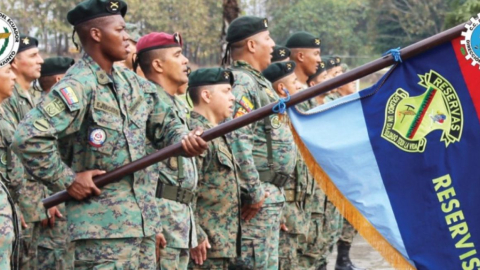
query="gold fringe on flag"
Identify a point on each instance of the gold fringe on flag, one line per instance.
(348, 210)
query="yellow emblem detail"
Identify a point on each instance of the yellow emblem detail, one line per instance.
(114, 5)
(409, 119)
(265, 22)
(226, 75)
(282, 52)
(322, 64)
(26, 41)
(5, 35)
(289, 66)
(337, 59)
(317, 41)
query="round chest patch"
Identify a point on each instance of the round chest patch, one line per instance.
(97, 137)
(173, 163)
(276, 123)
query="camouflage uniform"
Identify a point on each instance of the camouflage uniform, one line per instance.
(332, 97)
(295, 216)
(176, 216)
(261, 234)
(217, 207)
(106, 119)
(11, 176)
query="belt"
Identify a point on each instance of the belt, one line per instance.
(175, 193)
(291, 195)
(274, 178)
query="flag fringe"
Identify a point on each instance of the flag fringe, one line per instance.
(350, 212)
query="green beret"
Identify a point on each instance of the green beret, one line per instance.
(56, 65)
(303, 40)
(321, 68)
(244, 27)
(92, 9)
(280, 53)
(26, 43)
(133, 32)
(279, 70)
(210, 76)
(330, 62)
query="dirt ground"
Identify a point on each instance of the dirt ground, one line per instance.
(362, 255)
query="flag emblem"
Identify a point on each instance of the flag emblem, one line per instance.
(69, 95)
(409, 119)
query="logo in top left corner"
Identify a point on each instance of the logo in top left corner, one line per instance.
(9, 39)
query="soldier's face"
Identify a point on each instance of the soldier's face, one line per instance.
(115, 40)
(311, 61)
(321, 78)
(28, 64)
(292, 84)
(263, 49)
(7, 77)
(132, 52)
(174, 66)
(222, 101)
(337, 71)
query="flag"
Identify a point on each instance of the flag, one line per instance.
(401, 159)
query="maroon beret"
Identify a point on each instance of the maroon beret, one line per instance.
(157, 40)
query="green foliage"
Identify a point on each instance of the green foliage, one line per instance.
(461, 11)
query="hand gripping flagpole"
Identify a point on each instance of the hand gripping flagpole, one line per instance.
(354, 74)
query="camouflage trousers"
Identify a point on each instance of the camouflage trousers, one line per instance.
(173, 259)
(46, 248)
(348, 232)
(260, 237)
(113, 254)
(214, 264)
(7, 235)
(323, 233)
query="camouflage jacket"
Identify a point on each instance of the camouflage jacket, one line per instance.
(177, 219)
(308, 104)
(36, 93)
(217, 208)
(332, 96)
(106, 120)
(12, 175)
(30, 202)
(253, 91)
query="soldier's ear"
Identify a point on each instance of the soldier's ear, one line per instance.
(205, 95)
(251, 45)
(279, 89)
(300, 56)
(57, 78)
(157, 65)
(96, 34)
(14, 63)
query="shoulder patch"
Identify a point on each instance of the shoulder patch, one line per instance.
(241, 111)
(41, 124)
(246, 104)
(136, 104)
(69, 95)
(55, 107)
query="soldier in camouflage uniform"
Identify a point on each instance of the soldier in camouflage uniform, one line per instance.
(11, 176)
(333, 69)
(161, 59)
(325, 221)
(295, 218)
(217, 207)
(106, 113)
(320, 76)
(54, 250)
(270, 141)
(27, 66)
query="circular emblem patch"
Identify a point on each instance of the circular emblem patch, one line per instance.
(471, 41)
(276, 123)
(9, 39)
(97, 137)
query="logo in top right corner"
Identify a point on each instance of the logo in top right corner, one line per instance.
(471, 41)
